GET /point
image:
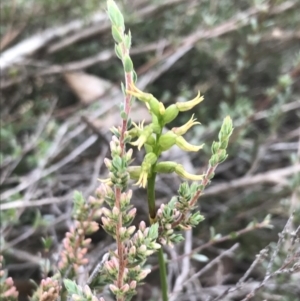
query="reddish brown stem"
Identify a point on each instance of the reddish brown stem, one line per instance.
(120, 246)
(119, 243)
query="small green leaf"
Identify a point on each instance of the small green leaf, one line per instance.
(123, 89)
(70, 286)
(153, 231)
(128, 65)
(124, 116)
(129, 123)
(115, 14)
(78, 197)
(134, 76)
(215, 147)
(47, 242)
(117, 162)
(118, 51)
(200, 257)
(127, 40)
(116, 34)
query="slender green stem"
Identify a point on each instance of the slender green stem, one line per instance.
(152, 216)
(151, 197)
(163, 274)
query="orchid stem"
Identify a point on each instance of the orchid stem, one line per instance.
(152, 216)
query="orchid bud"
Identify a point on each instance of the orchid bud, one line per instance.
(170, 114)
(165, 167)
(150, 158)
(167, 140)
(134, 172)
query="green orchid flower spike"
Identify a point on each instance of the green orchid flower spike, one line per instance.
(124, 269)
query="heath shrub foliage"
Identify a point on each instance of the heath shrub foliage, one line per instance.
(124, 268)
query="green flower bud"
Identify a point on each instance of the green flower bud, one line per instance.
(150, 140)
(150, 158)
(184, 145)
(170, 114)
(188, 105)
(154, 105)
(148, 148)
(134, 172)
(183, 129)
(165, 167)
(167, 140)
(156, 125)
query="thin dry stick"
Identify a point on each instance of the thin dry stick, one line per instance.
(185, 266)
(241, 282)
(212, 242)
(63, 137)
(269, 274)
(228, 252)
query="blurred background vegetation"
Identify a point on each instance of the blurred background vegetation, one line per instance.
(60, 94)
